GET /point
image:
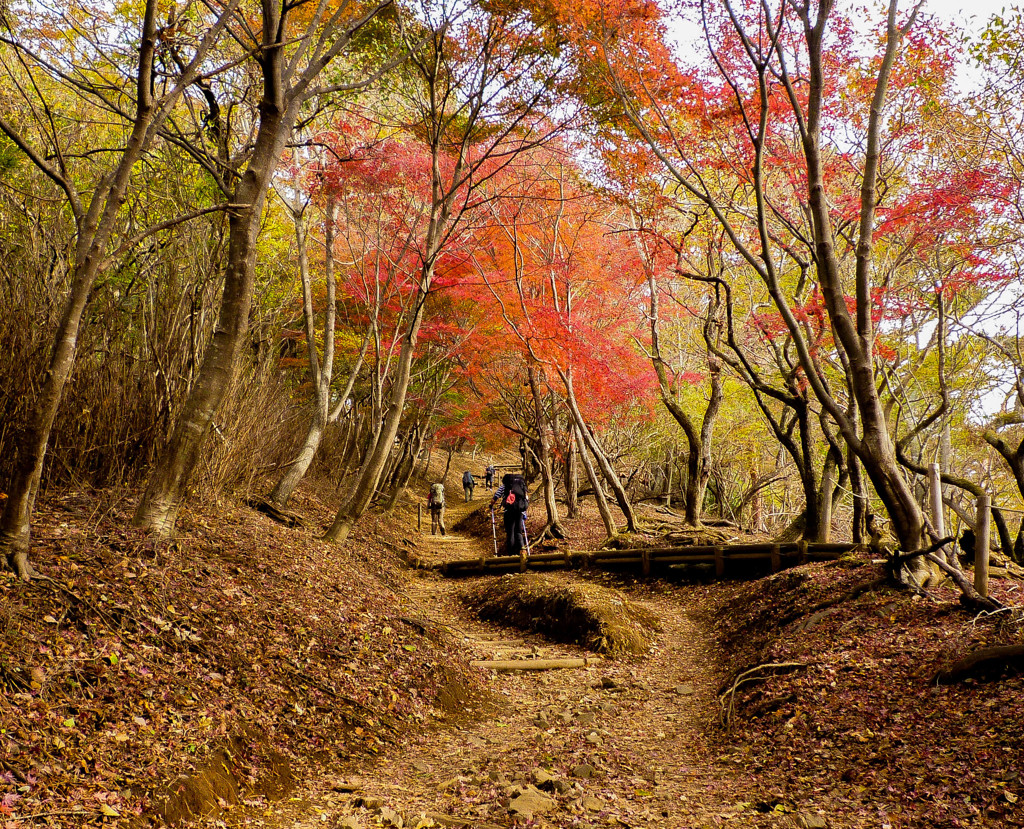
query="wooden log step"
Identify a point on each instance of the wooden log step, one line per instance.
(509, 665)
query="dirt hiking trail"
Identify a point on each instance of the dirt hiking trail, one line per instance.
(619, 743)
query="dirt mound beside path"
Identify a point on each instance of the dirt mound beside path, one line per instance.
(567, 610)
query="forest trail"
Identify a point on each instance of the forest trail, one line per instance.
(617, 744)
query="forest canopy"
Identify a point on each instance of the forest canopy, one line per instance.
(770, 270)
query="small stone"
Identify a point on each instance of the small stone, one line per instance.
(562, 786)
(684, 690)
(350, 822)
(565, 717)
(532, 802)
(594, 738)
(542, 778)
(806, 820)
(369, 802)
(584, 771)
(609, 708)
(542, 721)
(592, 804)
(420, 766)
(351, 784)
(496, 776)
(586, 718)
(476, 742)
(608, 682)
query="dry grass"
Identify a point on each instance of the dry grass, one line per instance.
(592, 616)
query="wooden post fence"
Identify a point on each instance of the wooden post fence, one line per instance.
(935, 493)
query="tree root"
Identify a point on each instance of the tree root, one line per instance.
(552, 530)
(289, 519)
(983, 661)
(728, 699)
(849, 595)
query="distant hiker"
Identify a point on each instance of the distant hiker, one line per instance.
(468, 484)
(435, 502)
(489, 476)
(514, 502)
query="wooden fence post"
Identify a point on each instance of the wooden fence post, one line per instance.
(776, 554)
(719, 562)
(935, 493)
(645, 559)
(981, 544)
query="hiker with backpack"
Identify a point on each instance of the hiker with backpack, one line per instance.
(468, 484)
(489, 476)
(435, 503)
(514, 503)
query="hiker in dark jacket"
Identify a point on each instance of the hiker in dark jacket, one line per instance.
(468, 484)
(514, 503)
(489, 476)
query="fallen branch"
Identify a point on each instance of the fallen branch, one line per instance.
(535, 664)
(752, 675)
(981, 661)
(971, 597)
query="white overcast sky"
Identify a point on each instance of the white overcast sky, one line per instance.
(976, 13)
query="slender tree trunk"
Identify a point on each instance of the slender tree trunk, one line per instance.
(94, 228)
(285, 89)
(321, 373)
(595, 484)
(667, 488)
(553, 528)
(369, 474)
(572, 477)
(157, 511)
(698, 440)
(590, 442)
(829, 476)
(856, 337)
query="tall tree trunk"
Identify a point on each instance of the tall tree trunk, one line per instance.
(94, 227)
(553, 528)
(590, 442)
(286, 85)
(157, 511)
(829, 477)
(698, 468)
(595, 484)
(669, 466)
(572, 476)
(369, 474)
(873, 446)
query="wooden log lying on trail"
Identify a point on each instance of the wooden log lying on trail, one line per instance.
(652, 557)
(509, 665)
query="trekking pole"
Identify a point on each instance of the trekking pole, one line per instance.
(526, 538)
(494, 532)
